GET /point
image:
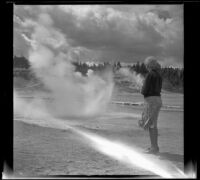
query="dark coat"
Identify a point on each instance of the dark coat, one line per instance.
(152, 84)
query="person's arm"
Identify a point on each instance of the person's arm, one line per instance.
(146, 85)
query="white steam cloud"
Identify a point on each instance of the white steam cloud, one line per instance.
(72, 93)
(136, 79)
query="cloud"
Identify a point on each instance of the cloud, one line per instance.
(112, 32)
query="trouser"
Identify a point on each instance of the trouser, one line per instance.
(152, 108)
(153, 134)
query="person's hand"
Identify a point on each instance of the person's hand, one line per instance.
(147, 124)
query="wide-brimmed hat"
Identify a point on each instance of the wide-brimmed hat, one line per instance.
(152, 63)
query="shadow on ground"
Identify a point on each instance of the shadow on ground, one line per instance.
(171, 157)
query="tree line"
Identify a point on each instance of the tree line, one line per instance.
(172, 77)
(20, 62)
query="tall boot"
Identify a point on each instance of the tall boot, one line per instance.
(153, 134)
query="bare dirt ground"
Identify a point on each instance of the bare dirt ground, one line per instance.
(42, 150)
(49, 151)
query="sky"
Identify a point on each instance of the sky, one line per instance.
(103, 33)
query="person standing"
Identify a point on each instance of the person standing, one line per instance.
(151, 90)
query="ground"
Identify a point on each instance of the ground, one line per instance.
(40, 150)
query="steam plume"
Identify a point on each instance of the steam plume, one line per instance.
(136, 79)
(72, 93)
